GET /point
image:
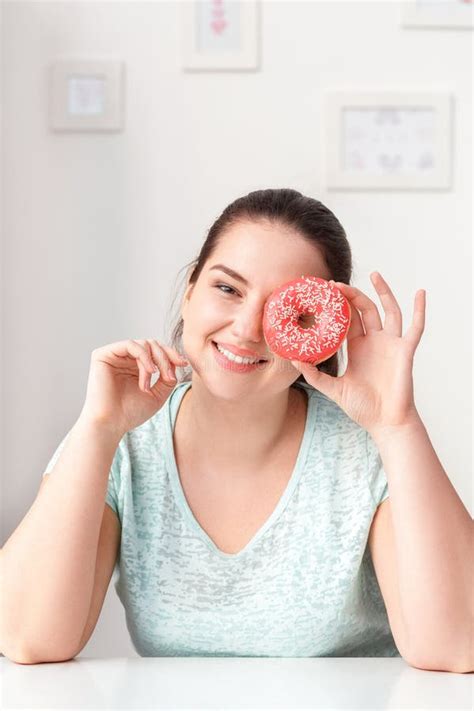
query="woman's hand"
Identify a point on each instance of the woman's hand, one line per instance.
(119, 393)
(376, 390)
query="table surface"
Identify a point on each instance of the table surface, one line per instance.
(232, 683)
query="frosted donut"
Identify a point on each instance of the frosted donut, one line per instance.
(307, 296)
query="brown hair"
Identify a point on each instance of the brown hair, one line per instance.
(289, 208)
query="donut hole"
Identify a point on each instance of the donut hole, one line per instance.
(306, 320)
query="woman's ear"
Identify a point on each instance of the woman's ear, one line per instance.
(185, 299)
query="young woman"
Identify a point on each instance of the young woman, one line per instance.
(244, 504)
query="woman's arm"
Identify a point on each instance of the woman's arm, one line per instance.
(433, 534)
(47, 566)
(433, 531)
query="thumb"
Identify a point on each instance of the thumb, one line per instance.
(326, 384)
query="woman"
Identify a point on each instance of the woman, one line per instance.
(248, 500)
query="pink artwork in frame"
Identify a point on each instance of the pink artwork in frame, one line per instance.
(220, 35)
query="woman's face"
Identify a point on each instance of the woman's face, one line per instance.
(223, 309)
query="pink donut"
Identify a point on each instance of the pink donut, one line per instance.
(311, 296)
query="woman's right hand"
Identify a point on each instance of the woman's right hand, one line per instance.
(119, 375)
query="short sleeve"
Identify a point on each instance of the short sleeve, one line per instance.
(111, 497)
(377, 478)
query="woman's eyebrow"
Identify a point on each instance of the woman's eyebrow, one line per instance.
(231, 273)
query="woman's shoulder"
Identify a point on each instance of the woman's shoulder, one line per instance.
(156, 430)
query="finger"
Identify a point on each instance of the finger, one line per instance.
(414, 333)
(393, 314)
(150, 368)
(175, 357)
(143, 376)
(369, 312)
(147, 359)
(160, 358)
(135, 349)
(327, 384)
(143, 361)
(356, 327)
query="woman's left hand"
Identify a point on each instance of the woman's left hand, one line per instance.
(376, 390)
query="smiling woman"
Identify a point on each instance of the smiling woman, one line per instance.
(242, 501)
(255, 491)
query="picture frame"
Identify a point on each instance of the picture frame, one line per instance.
(220, 35)
(86, 95)
(447, 14)
(400, 140)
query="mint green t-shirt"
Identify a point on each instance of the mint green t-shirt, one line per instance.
(304, 585)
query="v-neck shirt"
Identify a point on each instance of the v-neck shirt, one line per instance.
(303, 586)
(180, 495)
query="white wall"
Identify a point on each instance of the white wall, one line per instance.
(97, 226)
(2, 478)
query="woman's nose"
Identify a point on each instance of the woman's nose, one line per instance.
(248, 326)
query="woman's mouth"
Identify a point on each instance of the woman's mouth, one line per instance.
(230, 362)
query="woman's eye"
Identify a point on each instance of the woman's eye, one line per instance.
(225, 286)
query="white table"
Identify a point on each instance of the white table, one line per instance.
(232, 683)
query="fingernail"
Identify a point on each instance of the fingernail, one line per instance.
(171, 375)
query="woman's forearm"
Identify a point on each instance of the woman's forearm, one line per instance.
(47, 566)
(435, 553)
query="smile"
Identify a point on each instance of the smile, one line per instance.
(236, 358)
(229, 361)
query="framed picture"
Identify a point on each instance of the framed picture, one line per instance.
(388, 140)
(86, 95)
(220, 35)
(458, 14)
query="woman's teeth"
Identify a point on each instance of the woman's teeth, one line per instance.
(236, 359)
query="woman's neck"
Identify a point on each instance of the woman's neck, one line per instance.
(242, 434)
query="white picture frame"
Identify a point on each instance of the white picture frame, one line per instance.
(388, 140)
(220, 35)
(448, 14)
(86, 95)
